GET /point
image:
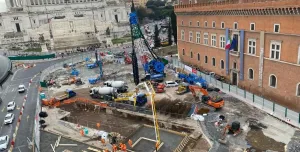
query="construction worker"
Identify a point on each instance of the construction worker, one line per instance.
(123, 148)
(130, 143)
(114, 148)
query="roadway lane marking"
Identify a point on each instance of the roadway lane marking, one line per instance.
(3, 109)
(15, 73)
(27, 117)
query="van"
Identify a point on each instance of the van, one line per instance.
(171, 84)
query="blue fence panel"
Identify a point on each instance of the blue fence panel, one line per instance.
(279, 110)
(258, 101)
(226, 87)
(249, 96)
(293, 117)
(233, 89)
(241, 92)
(268, 106)
(213, 81)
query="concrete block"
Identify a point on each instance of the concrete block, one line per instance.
(109, 111)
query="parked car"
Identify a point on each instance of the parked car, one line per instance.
(21, 88)
(171, 84)
(11, 106)
(4, 141)
(9, 118)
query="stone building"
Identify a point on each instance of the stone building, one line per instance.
(266, 59)
(63, 23)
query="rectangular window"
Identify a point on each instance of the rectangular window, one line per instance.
(252, 26)
(235, 25)
(251, 46)
(190, 23)
(213, 24)
(182, 35)
(191, 36)
(198, 23)
(198, 37)
(205, 38)
(222, 42)
(205, 23)
(181, 22)
(276, 28)
(236, 37)
(213, 40)
(275, 50)
(222, 25)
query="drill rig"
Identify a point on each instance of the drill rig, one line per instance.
(153, 65)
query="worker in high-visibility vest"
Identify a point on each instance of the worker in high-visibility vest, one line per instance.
(114, 148)
(130, 143)
(123, 148)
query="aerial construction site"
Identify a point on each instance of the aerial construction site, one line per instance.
(141, 102)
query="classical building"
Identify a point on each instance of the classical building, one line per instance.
(62, 23)
(266, 59)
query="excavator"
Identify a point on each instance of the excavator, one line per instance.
(215, 102)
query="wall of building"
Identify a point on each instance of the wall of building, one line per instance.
(286, 68)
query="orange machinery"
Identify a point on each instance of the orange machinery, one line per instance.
(215, 102)
(158, 87)
(53, 102)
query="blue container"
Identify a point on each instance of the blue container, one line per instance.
(86, 131)
(42, 95)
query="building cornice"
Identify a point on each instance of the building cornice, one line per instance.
(282, 7)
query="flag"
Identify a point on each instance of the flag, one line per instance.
(233, 44)
(228, 44)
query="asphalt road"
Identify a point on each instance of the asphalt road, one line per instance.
(9, 93)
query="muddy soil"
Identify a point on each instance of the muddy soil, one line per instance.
(259, 142)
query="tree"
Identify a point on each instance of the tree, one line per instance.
(174, 26)
(107, 31)
(141, 13)
(156, 37)
(170, 34)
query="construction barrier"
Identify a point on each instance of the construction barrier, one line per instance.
(32, 57)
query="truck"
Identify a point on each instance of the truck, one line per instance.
(154, 77)
(67, 94)
(121, 86)
(106, 93)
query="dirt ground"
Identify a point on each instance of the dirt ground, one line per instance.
(108, 122)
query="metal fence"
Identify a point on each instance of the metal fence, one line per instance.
(73, 60)
(268, 106)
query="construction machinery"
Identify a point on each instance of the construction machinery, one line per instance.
(202, 94)
(193, 79)
(106, 93)
(182, 89)
(99, 64)
(158, 87)
(52, 101)
(233, 129)
(132, 98)
(121, 86)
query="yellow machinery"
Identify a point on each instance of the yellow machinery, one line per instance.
(130, 96)
(151, 91)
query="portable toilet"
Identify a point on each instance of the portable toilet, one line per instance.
(42, 96)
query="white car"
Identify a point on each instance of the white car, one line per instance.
(21, 88)
(171, 84)
(9, 118)
(4, 141)
(11, 106)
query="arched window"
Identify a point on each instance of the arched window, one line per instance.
(213, 62)
(183, 52)
(250, 74)
(222, 64)
(191, 54)
(298, 89)
(273, 81)
(205, 59)
(198, 57)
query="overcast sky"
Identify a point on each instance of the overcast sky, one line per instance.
(2, 6)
